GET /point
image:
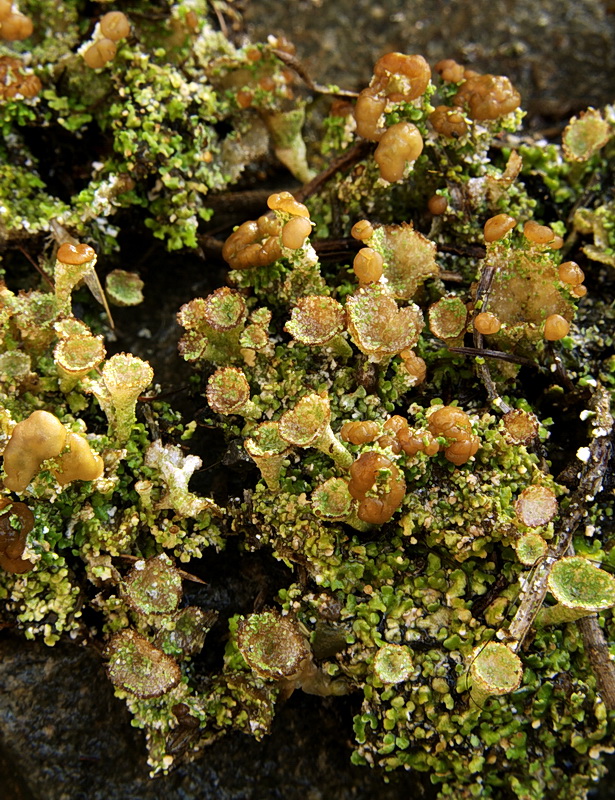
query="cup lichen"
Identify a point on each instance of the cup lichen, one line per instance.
(411, 476)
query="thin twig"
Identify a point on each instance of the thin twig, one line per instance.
(499, 355)
(483, 601)
(332, 249)
(560, 369)
(599, 656)
(152, 398)
(244, 201)
(597, 649)
(586, 199)
(294, 63)
(37, 267)
(482, 294)
(345, 161)
(221, 20)
(211, 245)
(188, 576)
(591, 477)
(469, 250)
(450, 277)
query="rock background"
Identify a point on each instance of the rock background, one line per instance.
(63, 736)
(558, 54)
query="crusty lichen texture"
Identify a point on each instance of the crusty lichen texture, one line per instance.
(398, 358)
(167, 91)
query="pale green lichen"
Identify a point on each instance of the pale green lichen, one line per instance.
(124, 378)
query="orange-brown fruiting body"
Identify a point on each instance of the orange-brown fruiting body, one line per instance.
(486, 323)
(497, 227)
(556, 327)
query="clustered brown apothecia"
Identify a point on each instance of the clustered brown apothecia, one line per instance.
(368, 264)
(257, 243)
(112, 28)
(42, 436)
(454, 425)
(400, 437)
(482, 97)
(14, 26)
(400, 78)
(15, 81)
(485, 96)
(397, 78)
(376, 482)
(360, 431)
(378, 485)
(497, 227)
(538, 238)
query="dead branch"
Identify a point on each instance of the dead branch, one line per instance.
(590, 478)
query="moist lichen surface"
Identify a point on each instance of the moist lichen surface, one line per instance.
(410, 358)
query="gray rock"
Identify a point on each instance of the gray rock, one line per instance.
(560, 55)
(64, 736)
